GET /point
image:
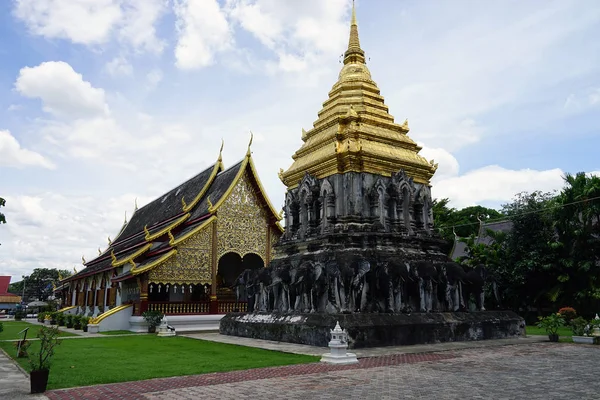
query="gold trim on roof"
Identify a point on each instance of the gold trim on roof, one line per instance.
(218, 167)
(175, 241)
(150, 237)
(135, 271)
(247, 162)
(354, 131)
(123, 261)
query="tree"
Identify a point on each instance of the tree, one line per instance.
(464, 222)
(39, 285)
(529, 275)
(577, 223)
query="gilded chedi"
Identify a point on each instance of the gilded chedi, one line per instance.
(355, 132)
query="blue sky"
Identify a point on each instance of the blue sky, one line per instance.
(105, 101)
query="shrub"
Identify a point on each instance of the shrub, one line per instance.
(153, 319)
(19, 315)
(22, 346)
(568, 313)
(60, 319)
(76, 321)
(69, 321)
(551, 323)
(41, 316)
(1, 327)
(578, 326)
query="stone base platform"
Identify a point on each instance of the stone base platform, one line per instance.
(375, 330)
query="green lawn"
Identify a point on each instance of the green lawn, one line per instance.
(534, 330)
(122, 332)
(90, 361)
(12, 329)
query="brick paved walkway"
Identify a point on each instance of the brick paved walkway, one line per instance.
(533, 371)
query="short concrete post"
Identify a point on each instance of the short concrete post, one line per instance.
(338, 346)
(596, 326)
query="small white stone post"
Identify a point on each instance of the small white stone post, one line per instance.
(596, 326)
(338, 346)
(163, 329)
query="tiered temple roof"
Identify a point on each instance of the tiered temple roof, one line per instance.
(354, 130)
(152, 234)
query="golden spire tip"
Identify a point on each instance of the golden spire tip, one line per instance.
(221, 150)
(353, 22)
(250, 144)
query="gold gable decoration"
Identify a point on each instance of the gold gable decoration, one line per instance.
(354, 130)
(242, 222)
(191, 264)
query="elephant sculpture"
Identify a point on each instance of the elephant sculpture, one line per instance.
(350, 282)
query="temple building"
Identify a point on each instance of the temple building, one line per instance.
(180, 253)
(358, 180)
(8, 301)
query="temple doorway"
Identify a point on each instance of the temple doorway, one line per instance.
(231, 265)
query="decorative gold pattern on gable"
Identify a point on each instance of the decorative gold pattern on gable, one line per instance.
(191, 264)
(241, 222)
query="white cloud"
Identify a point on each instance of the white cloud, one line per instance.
(119, 66)
(202, 31)
(13, 155)
(138, 29)
(154, 77)
(94, 22)
(494, 184)
(63, 91)
(51, 230)
(81, 21)
(298, 33)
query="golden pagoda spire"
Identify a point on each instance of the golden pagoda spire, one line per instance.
(355, 132)
(354, 54)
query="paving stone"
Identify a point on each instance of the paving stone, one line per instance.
(532, 371)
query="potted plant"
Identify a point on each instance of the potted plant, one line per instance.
(69, 321)
(551, 323)
(84, 323)
(580, 328)
(47, 319)
(153, 319)
(40, 362)
(60, 319)
(76, 321)
(41, 316)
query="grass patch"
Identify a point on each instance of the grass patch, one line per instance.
(81, 362)
(12, 329)
(534, 330)
(121, 332)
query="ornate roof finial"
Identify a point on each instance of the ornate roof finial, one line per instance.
(99, 251)
(146, 231)
(125, 221)
(183, 203)
(354, 54)
(109, 241)
(136, 206)
(404, 125)
(83, 260)
(74, 269)
(171, 237)
(250, 144)
(210, 204)
(221, 151)
(113, 256)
